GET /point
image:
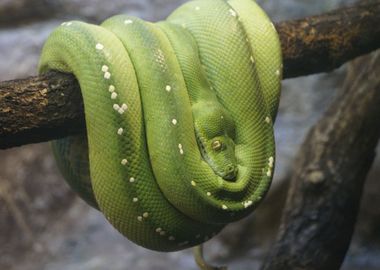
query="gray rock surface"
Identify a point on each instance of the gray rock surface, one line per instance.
(44, 226)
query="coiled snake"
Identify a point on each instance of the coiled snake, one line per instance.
(179, 117)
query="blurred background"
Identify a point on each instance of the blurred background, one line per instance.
(43, 225)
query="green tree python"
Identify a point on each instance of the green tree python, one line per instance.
(179, 118)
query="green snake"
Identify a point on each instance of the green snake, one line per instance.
(179, 118)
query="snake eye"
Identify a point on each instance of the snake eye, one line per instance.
(216, 145)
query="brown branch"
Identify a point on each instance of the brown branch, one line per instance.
(40, 109)
(330, 171)
(48, 107)
(323, 43)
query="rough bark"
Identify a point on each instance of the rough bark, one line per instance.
(322, 43)
(39, 109)
(42, 108)
(329, 174)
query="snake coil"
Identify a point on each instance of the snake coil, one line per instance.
(179, 117)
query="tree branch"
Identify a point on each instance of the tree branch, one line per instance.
(325, 42)
(49, 107)
(330, 171)
(40, 109)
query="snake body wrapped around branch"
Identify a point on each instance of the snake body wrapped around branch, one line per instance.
(179, 117)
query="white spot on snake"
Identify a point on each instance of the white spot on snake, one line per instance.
(124, 162)
(193, 183)
(113, 95)
(224, 207)
(146, 215)
(267, 119)
(252, 59)
(180, 149)
(271, 162)
(120, 131)
(99, 46)
(111, 88)
(278, 72)
(107, 75)
(139, 218)
(168, 88)
(64, 23)
(197, 8)
(158, 230)
(221, 117)
(135, 200)
(128, 21)
(232, 12)
(132, 180)
(121, 109)
(247, 204)
(208, 194)
(116, 107)
(171, 238)
(174, 121)
(269, 173)
(104, 68)
(160, 58)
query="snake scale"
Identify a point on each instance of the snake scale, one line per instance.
(179, 118)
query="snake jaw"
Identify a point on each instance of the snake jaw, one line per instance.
(215, 130)
(219, 154)
(230, 173)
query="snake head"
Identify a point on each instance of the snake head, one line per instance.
(215, 132)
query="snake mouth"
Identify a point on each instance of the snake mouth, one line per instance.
(227, 172)
(230, 173)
